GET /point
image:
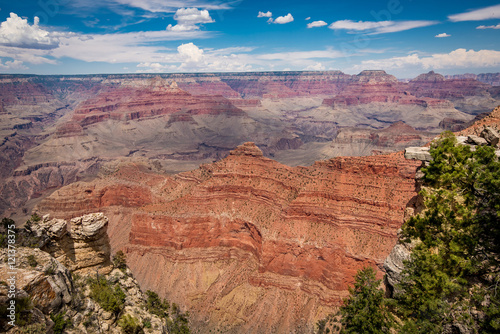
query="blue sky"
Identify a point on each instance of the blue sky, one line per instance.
(403, 37)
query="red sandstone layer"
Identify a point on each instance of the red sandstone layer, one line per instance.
(228, 238)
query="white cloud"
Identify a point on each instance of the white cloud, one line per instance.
(358, 26)
(267, 14)
(190, 57)
(284, 19)
(487, 13)
(13, 65)
(301, 55)
(122, 48)
(188, 18)
(317, 24)
(442, 35)
(190, 52)
(17, 32)
(170, 6)
(489, 27)
(308, 18)
(459, 58)
(315, 67)
(379, 27)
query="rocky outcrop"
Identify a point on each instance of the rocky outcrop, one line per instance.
(251, 233)
(81, 244)
(38, 275)
(394, 265)
(418, 153)
(491, 136)
(45, 290)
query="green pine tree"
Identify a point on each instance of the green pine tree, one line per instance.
(456, 261)
(365, 312)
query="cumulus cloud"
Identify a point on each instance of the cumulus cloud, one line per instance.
(190, 52)
(315, 67)
(487, 13)
(379, 27)
(122, 48)
(188, 18)
(442, 35)
(17, 32)
(488, 27)
(284, 19)
(316, 24)
(13, 65)
(190, 57)
(266, 14)
(308, 18)
(459, 58)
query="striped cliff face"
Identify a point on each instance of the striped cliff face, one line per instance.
(246, 243)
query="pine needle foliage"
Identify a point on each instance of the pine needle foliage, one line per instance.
(449, 278)
(365, 310)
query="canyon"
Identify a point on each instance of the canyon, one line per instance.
(249, 199)
(247, 244)
(60, 129)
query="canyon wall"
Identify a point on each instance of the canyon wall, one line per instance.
(248, 244)
(57, 130)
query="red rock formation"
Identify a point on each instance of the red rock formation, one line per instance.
(379, 87)
(156, 99)
(435, 85)
(397, 135)
(491, 120)
(492, 79)
(248, 244)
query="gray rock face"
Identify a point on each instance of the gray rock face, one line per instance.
(462, 140)
(40, 276)
(491, 136)
(393, 264)
(476, 140)
(418, 153)
(88, 226)
(81, 245)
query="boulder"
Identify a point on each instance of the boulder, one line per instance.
(418, 153)
(476, 140)
(462, 140)
(491, 136)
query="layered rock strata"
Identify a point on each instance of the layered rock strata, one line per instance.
(81, 244)
(248, 244)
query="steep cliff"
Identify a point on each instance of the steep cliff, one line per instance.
(267, 247)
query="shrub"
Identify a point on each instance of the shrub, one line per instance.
(130, 325)
(109, 298)
(8, 223)
(156, 306)
(120, 261)
(60, 323)
(32, 260)
(35, 217)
